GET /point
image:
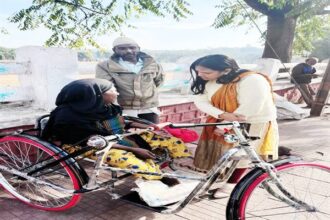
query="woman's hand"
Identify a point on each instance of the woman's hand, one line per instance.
(139, 152)
(143, 153)
(226, 116)
(160, 126)
(220, 132)
(110, 96)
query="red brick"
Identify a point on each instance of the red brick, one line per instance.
(193, 106)
(196, 120)
(162, 118)
(200, 114)
(188, 115)
(182, 107)
(167, 109)
(174, 117)
(203, 119)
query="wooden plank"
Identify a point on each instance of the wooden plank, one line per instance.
(322, 94)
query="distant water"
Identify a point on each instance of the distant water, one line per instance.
(5, 95)
(3, 69)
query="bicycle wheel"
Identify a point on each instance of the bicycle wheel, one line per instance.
(307, 182)
(22, 154)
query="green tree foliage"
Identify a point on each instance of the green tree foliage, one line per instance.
(7, 54)
(322, 47)
(3, 31)
(75, 23)
(309, 32)
(309, 18)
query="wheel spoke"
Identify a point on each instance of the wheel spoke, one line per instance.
(22, 154)
(309, 183)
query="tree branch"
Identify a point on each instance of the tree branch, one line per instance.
(309, 7)
(260, 7)
(79, 6)
(266, 10)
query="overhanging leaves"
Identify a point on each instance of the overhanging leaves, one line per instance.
(76, 23)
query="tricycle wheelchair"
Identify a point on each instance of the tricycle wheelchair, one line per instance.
(44, 176)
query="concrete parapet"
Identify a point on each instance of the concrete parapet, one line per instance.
(51, 69)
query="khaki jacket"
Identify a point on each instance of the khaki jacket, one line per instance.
(136, 91)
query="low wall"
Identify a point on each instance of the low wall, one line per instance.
(183, 113)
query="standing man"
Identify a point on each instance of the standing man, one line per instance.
(302, 75)
(136, 76)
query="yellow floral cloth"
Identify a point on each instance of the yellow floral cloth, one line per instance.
(127, 160)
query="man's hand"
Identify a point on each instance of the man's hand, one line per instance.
(232, 117)
(143, 153)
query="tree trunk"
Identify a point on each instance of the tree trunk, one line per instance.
(280, 34)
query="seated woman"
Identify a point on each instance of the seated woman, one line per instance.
(86, 107)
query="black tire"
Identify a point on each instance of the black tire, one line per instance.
(308, 182)
(21, 153)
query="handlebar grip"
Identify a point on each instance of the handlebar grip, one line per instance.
(112, 137)
(183, 125)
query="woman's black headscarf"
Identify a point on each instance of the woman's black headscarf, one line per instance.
(81, 101)
(215, 62)
(80, 105)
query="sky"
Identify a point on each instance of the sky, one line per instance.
(153, 33)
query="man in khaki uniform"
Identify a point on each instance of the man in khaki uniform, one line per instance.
(136, 76)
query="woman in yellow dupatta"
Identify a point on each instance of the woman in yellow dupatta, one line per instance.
(227, 93)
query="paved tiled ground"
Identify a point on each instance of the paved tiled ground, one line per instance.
(310, 137)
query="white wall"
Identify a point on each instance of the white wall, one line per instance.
(51, 69)
(269, 67)
(11, 88)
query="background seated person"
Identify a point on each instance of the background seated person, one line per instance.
(302, 75)
(86, 107)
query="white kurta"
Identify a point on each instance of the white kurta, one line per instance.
(254, 99)
(253, 96)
